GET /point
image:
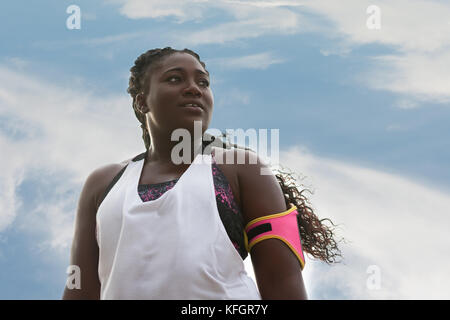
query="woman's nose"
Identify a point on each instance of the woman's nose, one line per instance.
(192, 89)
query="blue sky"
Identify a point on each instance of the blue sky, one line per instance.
(362, 113)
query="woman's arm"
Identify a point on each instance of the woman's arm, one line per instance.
(84, 252)
(277, 269)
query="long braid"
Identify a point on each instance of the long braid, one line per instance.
(317, 238)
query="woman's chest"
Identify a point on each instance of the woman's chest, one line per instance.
(153, 174)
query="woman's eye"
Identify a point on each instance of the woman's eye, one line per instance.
(204, 82)
(173, 77)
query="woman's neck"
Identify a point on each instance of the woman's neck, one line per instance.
(175, 153)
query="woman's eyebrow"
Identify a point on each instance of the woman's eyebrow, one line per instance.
(181, 69)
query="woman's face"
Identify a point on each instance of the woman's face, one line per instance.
(178, 79)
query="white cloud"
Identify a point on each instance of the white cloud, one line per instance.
(112, 38)
(255, 61)
(17, 62)
(407, 25)
(406, 104)
(180, 9)
(417, 31)
(419, 76)
(390, 221)
(56, 131)
(11, 177)
(52, 217)
(233, 98)
(249, 24)
(267, 4)
(250, 20)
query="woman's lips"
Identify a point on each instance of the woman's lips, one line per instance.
(193, 109)
(192, 106)
(191, 102)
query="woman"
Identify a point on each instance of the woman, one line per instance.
(149, 228)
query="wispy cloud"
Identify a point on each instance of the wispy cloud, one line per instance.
(255, 61)
(266, 4)
(417, 32)
(233, 97)
(112, 38)
(10, 178)
(189, 10)
(390, 221)
(406, 104)
(246, 26)
(183, 11)
(92, 42)
(56, 132)
(407, 26)
(249, 20)
(419, 76)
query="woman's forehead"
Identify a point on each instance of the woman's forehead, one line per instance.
(181, 60)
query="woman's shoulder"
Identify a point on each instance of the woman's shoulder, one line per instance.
(259, 190)
(102, 177)
(237, 158)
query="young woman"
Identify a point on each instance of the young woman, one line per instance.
(150, 228)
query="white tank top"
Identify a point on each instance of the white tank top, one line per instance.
(174, 247)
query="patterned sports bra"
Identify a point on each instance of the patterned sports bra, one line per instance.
(229, 211)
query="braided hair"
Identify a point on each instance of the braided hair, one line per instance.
(138, 82)
(318, 239)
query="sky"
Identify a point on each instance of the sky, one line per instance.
(359, 91)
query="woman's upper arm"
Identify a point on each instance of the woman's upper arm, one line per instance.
(277, 269)
(84, 251)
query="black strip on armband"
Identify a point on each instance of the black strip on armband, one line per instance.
(258, 230)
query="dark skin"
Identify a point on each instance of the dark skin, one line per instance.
(277, 270)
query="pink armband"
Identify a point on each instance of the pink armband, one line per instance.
(283, 226)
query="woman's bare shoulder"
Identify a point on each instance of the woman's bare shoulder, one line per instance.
(102, 176)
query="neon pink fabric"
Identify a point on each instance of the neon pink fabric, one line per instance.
(284, 227)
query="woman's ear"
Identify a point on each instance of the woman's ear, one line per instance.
(141, 104)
